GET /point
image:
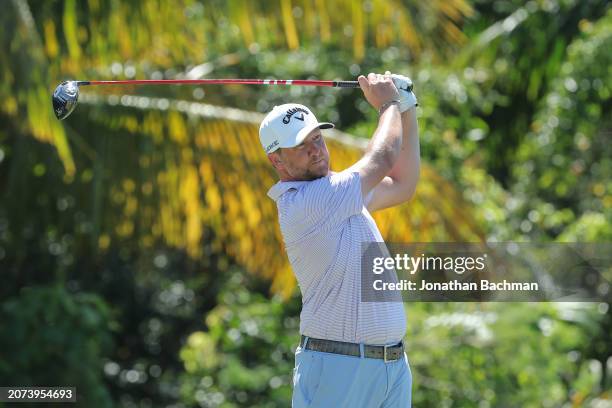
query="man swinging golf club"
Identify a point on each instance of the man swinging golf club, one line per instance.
(351, 353)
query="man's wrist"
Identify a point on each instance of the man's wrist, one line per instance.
(385, 105)
(407, 100)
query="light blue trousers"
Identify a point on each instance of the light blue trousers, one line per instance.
(335, 380)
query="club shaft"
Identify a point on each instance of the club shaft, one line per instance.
(302, 82)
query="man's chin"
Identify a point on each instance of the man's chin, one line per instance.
(313, 175)
(315, 172)
(324, 171)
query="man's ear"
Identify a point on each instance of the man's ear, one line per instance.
(276, 160)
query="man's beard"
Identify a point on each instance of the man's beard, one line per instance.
(309, 175)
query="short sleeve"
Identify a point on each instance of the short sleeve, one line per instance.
(333, 198)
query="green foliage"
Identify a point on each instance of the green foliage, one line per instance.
(51, 337)
(590, 227)
(245, 356)
(514, 61)
(566, 160)
(498, 354)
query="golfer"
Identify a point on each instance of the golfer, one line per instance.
(351, 353)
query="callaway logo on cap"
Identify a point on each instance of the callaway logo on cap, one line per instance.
(287, 126)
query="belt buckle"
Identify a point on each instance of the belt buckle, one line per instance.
(385, 353)
(385, 347)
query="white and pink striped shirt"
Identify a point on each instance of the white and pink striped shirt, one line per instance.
(324, 223)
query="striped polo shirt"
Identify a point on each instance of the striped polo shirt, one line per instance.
(324, 222)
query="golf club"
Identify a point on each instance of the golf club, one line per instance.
(66, 94)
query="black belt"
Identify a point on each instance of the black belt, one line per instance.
(386, 353)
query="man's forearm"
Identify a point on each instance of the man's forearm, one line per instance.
(389, 135)
(406, 170)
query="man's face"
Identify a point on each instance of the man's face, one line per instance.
(307, 161)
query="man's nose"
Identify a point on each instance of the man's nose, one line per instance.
(313, 149)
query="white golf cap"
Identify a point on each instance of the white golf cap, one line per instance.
(287, 126)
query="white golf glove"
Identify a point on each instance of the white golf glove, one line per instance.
(404, 86)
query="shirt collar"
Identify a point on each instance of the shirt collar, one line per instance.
(282, 187)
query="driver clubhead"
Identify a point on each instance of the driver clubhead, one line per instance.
(65, 99)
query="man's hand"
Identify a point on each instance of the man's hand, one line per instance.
(378, 89)
(404, 86)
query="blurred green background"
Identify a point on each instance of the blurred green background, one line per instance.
(141, 259)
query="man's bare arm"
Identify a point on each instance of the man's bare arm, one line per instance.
(384, 149)
(400, 184)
